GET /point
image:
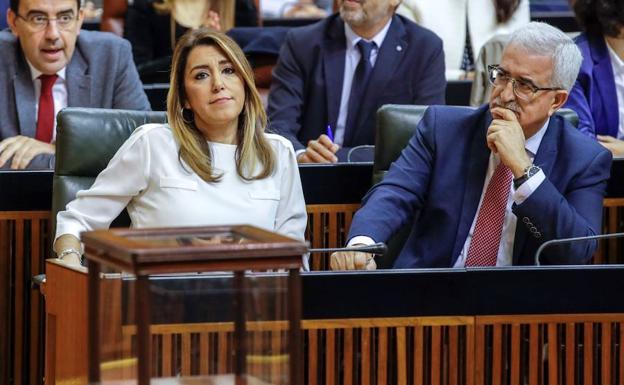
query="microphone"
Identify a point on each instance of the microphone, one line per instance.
(572, 240)
(379, 248)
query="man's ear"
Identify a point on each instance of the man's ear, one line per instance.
(11, 17)
(561, 97)
(80, 20)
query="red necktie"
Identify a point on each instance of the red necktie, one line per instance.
(45, 114)
(483, 250)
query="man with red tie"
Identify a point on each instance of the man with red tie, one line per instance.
(487, 187)
(48, 63)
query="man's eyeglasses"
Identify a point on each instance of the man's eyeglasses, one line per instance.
(38, 22)
(523, 89)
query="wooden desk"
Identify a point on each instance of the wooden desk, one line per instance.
(333, 195)
(455, 326)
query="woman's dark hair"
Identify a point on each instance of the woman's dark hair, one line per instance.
(505, 9)
(14, 5)
(605, 17)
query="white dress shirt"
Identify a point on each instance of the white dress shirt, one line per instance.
(59, 93)
(505, 250)
(618, 75)
(146, 177)
(352, 58)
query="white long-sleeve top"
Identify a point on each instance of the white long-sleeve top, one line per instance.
(147, 177)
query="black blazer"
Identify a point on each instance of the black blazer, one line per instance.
(307, 81)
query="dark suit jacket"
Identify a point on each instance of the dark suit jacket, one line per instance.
(101, 74)
(307, 81)
(440, 176)
(593, 96)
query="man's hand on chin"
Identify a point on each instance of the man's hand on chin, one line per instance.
(506, 137)
(22, 150)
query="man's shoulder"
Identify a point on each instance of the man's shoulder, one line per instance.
(103, 40)
(316, 32)
(7, 38)
(573, 141)
(8, 43)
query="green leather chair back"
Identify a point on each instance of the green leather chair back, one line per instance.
(86, 140)
(395, 126)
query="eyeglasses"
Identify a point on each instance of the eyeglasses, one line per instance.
(523, 89)
(38, 22)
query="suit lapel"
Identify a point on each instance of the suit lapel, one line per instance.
(25, 99)
(545, 159)
(606, 89)
(78, 81)
(475, 177)
(389, 55)
(333, 59)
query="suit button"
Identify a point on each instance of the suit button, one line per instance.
(537, 235)
(526, 220)
(533, 229)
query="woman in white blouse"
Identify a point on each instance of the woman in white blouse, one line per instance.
(212, 164)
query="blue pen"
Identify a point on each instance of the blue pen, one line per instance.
(330, 133)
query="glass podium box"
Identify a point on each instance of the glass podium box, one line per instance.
(196, 305)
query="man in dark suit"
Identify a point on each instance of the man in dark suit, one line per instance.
(45, 66)
(332, 77)
(488, 186)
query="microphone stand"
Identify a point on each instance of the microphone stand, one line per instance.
(572, 240)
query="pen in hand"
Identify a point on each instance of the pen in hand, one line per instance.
(330, 133)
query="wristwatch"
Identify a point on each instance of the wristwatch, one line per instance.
(528, 172)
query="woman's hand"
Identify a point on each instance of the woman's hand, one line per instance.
(612, 144)
(68, 242)
(212, 20)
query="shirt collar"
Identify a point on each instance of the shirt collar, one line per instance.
(532, 144)
(35, 73)
(615, 59)
(353, 38)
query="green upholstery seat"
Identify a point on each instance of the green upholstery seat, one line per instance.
(395, 126)
(86, 140)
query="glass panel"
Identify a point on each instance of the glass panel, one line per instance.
(192, 239)
(193, 332)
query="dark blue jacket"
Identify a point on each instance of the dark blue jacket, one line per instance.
(307, 81)
(440, 176)
(593, 96)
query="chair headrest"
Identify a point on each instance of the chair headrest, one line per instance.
(87, 138)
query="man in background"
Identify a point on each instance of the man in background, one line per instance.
(47, 64)
(332, 77)
(487, 187)
(4, 6)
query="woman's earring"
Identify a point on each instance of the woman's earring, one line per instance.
(187, 116)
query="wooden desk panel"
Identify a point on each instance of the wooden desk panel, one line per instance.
(482, 349)
(24, 244)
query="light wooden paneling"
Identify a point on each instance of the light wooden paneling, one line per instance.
(328, 226)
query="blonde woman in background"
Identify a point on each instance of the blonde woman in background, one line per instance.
(212, 165)
(451, 19)
(154, 26)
